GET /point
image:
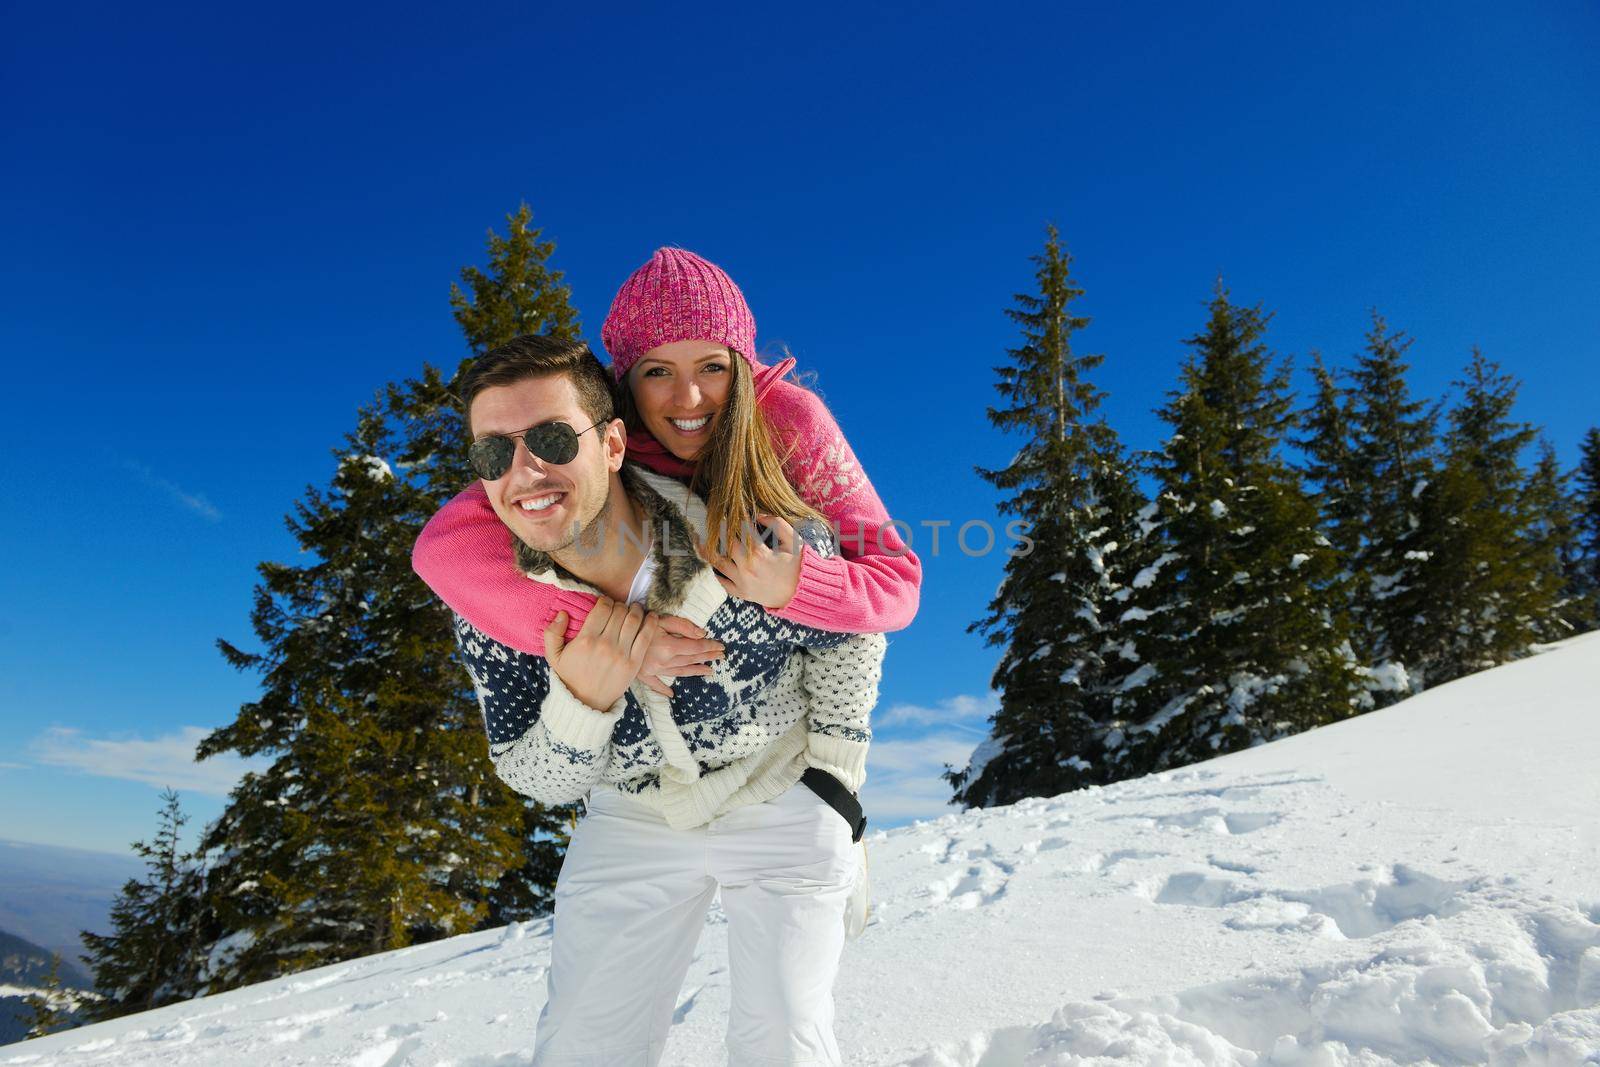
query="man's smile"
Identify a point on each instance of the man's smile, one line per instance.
(538, 503)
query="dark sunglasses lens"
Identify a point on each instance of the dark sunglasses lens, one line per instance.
(554, 442)
(491, 456)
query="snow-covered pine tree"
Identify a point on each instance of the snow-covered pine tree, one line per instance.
(151, 957)
(1485, 596)
(1585, 566)
(379, 821)
(1330, 460)
(1331, 468)
(1392, 441)
(1054, 613)
(1243, 638)
(1552, 543)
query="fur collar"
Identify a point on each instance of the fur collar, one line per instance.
(673, 544)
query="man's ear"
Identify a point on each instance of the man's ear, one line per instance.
(616, 440)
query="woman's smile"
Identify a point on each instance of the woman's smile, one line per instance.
(690, 427)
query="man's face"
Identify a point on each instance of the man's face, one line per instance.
(547, 504)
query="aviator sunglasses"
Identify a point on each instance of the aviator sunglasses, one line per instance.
(553, 442)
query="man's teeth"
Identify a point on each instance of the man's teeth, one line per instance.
(690, 425)
(538, 503)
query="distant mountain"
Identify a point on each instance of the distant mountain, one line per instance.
(14, 1016)
(22, 963)
(24, 967)
(48, 894)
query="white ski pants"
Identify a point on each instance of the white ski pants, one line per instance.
(631, 901)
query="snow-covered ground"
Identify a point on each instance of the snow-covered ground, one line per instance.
(1420, 885)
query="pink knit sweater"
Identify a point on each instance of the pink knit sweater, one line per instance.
(464, 555)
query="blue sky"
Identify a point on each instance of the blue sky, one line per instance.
(222, 231)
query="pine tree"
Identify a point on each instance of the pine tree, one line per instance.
(1055, 613)
(151, 958)
(45, 1014)
(1331, 460)
(1333, 468)
(1392, 444)
(379, 821)
(1485, 596)
(1584, 555)
(518, 294)
(1551, 539)
(1243, 637)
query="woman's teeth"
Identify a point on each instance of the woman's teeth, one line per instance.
(690, 425)
(538, 503)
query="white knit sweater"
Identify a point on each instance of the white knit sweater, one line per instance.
(785, 696)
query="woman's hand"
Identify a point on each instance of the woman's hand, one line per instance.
(608, 651)
(680, 649)
(752, 570)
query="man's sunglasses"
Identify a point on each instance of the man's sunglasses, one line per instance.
(553, 442)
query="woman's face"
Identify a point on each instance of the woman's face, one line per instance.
(679, 389)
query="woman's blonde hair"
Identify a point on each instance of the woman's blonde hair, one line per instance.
(739, 472)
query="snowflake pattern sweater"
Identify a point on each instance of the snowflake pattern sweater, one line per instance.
(786, 696)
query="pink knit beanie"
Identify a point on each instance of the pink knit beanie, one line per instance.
(677, 296)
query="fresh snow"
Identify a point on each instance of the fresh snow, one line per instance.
(1418, 885)
(1147, 575)
(378, 468)
(1389, 677)
(987, 750)
(1139, 677)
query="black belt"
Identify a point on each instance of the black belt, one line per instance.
(838, 798)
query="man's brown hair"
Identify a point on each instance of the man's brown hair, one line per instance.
(538, 355)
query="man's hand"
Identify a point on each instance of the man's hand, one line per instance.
(680, 648)
(608, 651)
(756, 572)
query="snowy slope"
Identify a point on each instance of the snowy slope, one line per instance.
(1418, 885)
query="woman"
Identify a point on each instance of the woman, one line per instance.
(753, 445)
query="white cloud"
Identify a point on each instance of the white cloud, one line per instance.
(903, 773)
(162, 762)
(903, 780)
(193, 501)
(948, 712)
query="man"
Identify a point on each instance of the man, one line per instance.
(686, 794)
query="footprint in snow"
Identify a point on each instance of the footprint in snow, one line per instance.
(388, 1053)
(687, 1006)
(1359, 909)
(1210, 820)
(981, 883)
(1038, 845)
